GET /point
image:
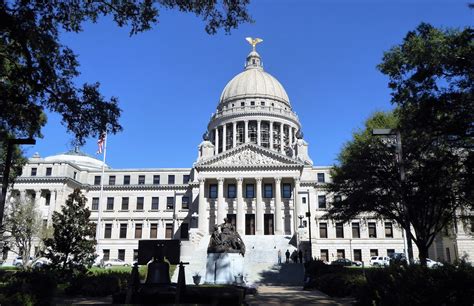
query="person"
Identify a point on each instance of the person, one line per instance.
(287, 254)
(279, 256)
(300, 255)
(294, 256)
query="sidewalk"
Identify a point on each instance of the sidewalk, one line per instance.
(293, 295)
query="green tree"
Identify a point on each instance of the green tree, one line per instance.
(72, 245)
(431, 77)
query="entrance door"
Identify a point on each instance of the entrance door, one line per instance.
(232, 218)
(268, 224)
(249, 224)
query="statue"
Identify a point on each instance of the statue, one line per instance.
(253, 41)
(225, 239)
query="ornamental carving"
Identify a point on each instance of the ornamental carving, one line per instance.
(247, 157)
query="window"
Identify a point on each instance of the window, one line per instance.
(110, 203)
(355, 230)
(242, 103)
(95, 203)
(325, 255)
(47, 199)
(372, 230)
(286, 191)
(154, 230)
(388, 230)
(140, 201)
(250, 191)
(156, 179)
(252, 102)
(141, 180)
(321, 178)
(169, 230)
(126, 179)
(357, 255)
(472, 224)
(49, 171)
(106, 254)
(138, 231)
(212, 191)
(185, 203)
(45, 224)
(170, 179)
(374, 252)
(390, 252)
(262, 103)
(123, 230)
(303, 200)
(97, 180)
(323, 230)
(322, 201)
(184, 231)
(185, 179)
(231, 191)
(108, 231)
(74, 175)
(341, 253)
(339, 230)
(125, 203)
(169, 203)
(267, 190)
(112, 180)
(33, 171)
(135, 255)
(155, 201)
(121, 254)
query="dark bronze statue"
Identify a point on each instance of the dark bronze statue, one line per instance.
(225, 239)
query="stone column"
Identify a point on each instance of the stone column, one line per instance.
(240, 207)
(224, 137)
(271, 135)
(203, 214)
(220, 201)
(296, 203)
(259, 141)
(278, 212)
(246, 130)
(216, 139)
(282, 144)
(234, 134)
(290, 138)
(259, 208)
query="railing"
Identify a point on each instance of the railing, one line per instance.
(257, 108)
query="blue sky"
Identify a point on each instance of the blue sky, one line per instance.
(168, 80)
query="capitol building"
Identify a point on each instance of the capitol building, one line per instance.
(253, 168)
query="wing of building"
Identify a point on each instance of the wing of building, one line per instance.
(253, 168)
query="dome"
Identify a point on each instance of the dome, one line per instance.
(78, 158)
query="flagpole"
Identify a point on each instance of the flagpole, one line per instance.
(99, 216)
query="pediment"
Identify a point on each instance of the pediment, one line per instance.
(249, 155)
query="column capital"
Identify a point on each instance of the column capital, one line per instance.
(259, 120)
(240, 180)
(220, 180)
(297, 179)
(278, 179)
(258, 179)
(201, 180)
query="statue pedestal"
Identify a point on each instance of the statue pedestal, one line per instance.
(223, 268)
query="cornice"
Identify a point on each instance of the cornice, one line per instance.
(47, 179)
(180, 187)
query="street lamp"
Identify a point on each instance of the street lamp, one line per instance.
(401, 169)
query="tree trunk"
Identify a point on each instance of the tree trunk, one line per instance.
(423, 253)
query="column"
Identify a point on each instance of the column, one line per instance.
(259, 208)
(234, 134)
(297, 205)
(216, 139)
(282, 145)
(246, 130)
(203, 214)
(220, 213)
(290, 138)
(240, 207)
(224, 137)
(278, 213)
(258, 133)
(271, 135)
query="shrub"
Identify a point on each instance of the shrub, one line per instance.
(100, 284)
(28, 288)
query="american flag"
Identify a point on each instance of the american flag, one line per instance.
(100, 143)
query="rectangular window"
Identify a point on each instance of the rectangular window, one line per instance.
(49, 171)
(231, 191)
(141, 180)
(321, 178)
(325, 255)
(112, 180)
(33, 171)
(169, 230)
(121, 254)
(184, 231)
(155, 202)
(47, 198)
(357, 255)
(267, 191)
(123, 230)
(372, 230)
(388, 230)
(341, 253)
(154, 230)
(339, 230)
(106, 253)
(390, 252)
(140, 201)
(156, 179)
(110, 203)
(185, 203)
(170, 203)
(213, 191)
(286, 191)
(138, 231)
(250, 191)
(322, 201)
(323, 230)
(355, 230)
(97, 180)
(126, 179)
(125, 203)
(108, 231)
(374, 252)
(135, 255)
(170, 179)
(472, 224)
(95, 203)
(185, 179)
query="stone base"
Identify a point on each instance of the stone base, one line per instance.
(222, 268)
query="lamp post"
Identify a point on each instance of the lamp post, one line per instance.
(401, 169)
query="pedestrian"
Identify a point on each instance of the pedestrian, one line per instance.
(294, 256)
(279, 256)
(287, 254)
(300, 255)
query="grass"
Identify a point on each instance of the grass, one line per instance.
(141, 270)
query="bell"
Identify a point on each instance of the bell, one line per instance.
(158, 270)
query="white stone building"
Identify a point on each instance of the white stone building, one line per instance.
(253, 167)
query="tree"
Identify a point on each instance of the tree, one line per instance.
(37, 72)
(431, 77)
(72, 245)
(22, 225)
